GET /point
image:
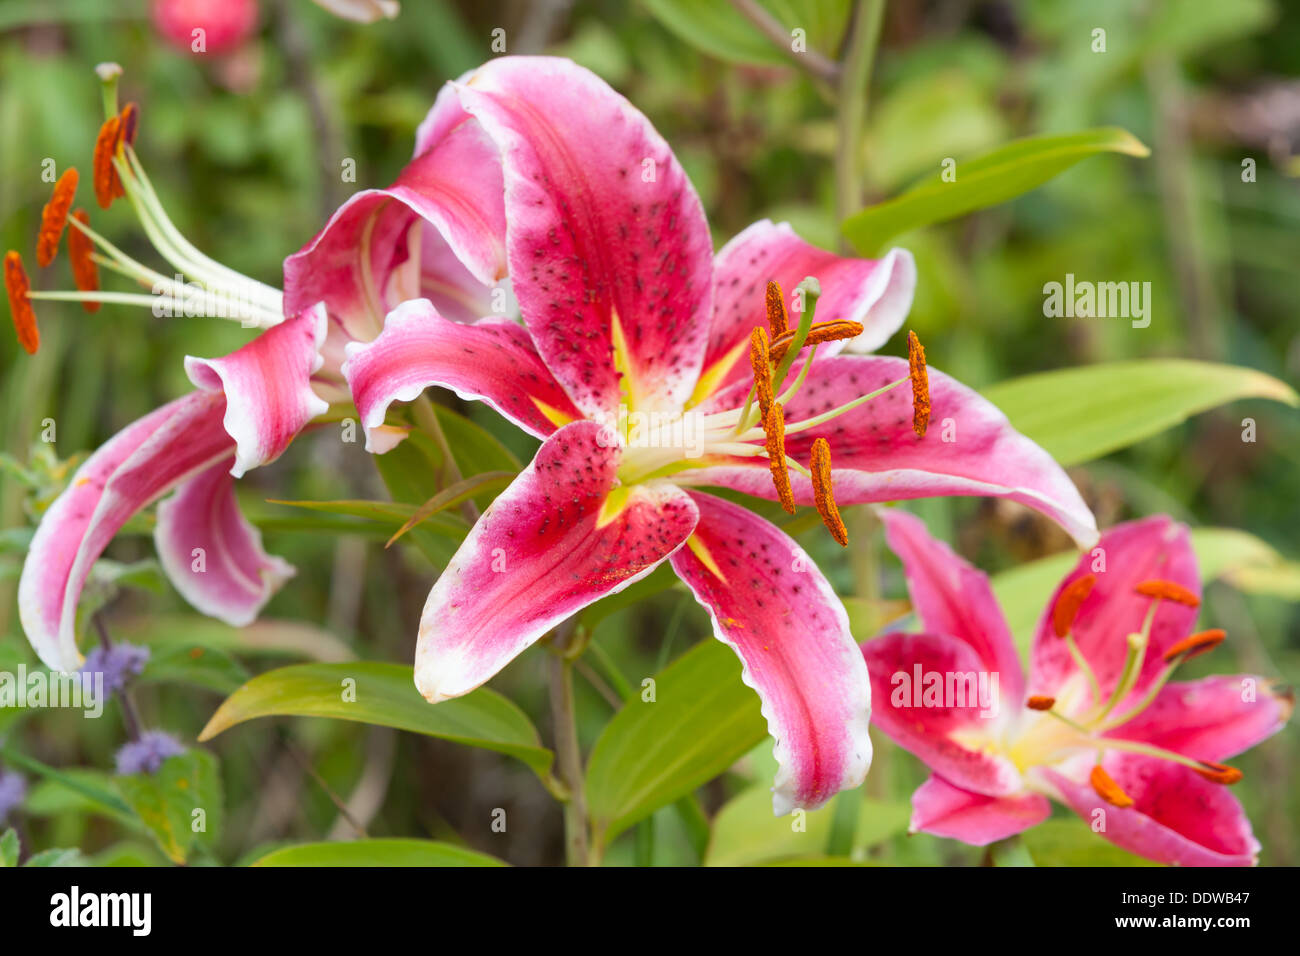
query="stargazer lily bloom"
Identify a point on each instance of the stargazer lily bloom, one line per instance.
(246, 408)
(628, 317)
(1098, 724)
(336, 291)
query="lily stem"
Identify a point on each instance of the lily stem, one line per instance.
(577, 846)
(129, 715)
(427, 418)
(851, 104)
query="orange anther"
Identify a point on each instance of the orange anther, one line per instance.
(17, 286)
(1169, 591)
(920, 385)
(54, 218)
(1067, 605)
(824, 493)
(1108, 789)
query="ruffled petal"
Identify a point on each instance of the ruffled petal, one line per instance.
(546, 548)
(453, 191)
(267, 385)
(133, 468)
(953, 598)
(875, 292)
(609, 252)
(493, 361)
(1213, 718)
(934, 699)
(970, 448)
(776, 610)
(212, 554)
(947, 811)
(248, 407)
(1177, 817)
(1153, 548)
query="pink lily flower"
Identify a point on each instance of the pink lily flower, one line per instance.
(246, 408)
(249, 405)
(629, 320)
(1098, 725)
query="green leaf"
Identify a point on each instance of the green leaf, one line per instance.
(372, 692)
(703, 720)
(475, 448)
(452, 495)
(1072, 843)
(9, 849)
(377, 853)
(57, 857)
(717, 28)
(991, 178)
(88, 784)
(745, 831)
(180, 804)
(1078, 414)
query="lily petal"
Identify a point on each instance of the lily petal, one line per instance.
(247, 408)
(212, 554)
(944, 727)
(1177, 817)
(970, 449)
(137, 465)
(952, 597)
(1130, 553)
(776, 610)
(492, 361)
(609, 252)
(875, 292)
(267, 385)
(454, 186)
(546, 548)
(1212, 719)
(947, 811)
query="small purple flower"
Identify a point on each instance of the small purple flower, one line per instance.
(147, 754)
(13, 789)
(118, 664)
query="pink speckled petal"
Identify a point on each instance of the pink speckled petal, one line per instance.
(448, 201)
(212, 555)
(1133, 552)
(931, 702)
(1178, 817)
(143, 461)
(1213, 718)
(603, 225)
(538, 555)
(875, 292)
(941, 809)
(952, 597)
(777, 611)
(267, 385)
(492, 360)
(970, 448)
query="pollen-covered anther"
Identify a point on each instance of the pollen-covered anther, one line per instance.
(824, 493)
(1169, 591)
(104, 175)
(1040, 702)
(130, 119)
(54, 218)
(777, 318)
(128, 124)
(916, 371)
(1218, 772)
(20, 306)
(761, 363)
(1197, 643)
(1108, 789)
(817, 334)
(774, 428)
(1068, 604)
(85, 273)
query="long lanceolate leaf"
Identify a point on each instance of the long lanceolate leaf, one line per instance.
(372, 692)
(995, 177)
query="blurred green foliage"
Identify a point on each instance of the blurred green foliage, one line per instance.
(246, 152)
